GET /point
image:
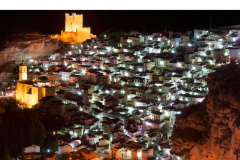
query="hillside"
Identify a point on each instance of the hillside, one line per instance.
(211, 130)
(23, 47)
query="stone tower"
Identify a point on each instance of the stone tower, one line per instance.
(73, 22)
(22, 71)
(74, 30)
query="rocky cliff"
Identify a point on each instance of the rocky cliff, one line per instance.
(28, 46)
(211, 130)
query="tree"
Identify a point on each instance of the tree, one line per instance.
(133, 32)
(6, 149)
(7, 157)
(159, 152)
(42, 158)
(21, 155)
(10, 69)
(54, 145)
(62, 82)
(112, 33)
(100, 86)
(24, 122)
(67, 135)
(233, 62)
(156, 70)
(180, 49)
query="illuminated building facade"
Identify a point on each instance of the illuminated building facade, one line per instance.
(22, 71)
(74, 30)
(28, 91)
(73, 22)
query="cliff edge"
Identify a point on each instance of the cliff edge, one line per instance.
(211, 130)
(28, 46)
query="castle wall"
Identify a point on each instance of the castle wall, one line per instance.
(79, 36)
(83, 34)
(73, 22)
(74, 30)
(69, 37)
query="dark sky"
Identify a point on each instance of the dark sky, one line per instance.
(51, 22)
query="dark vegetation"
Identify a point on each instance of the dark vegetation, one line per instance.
(22, 46)
(229, 68)
(50, 143)
(51, 122)
(17, 127)
(188, 110)
(112, 33)
(8, 68)
(180, 49)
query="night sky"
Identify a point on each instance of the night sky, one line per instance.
(52, 22)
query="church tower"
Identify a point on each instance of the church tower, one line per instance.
(22, 71)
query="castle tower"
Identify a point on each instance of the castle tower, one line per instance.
(22, 71)
(73, 22)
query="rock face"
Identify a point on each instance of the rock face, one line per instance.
(211, 130)
(28, 48)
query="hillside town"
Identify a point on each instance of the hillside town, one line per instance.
(118, 99)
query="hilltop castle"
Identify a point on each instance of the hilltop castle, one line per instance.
(74, 30)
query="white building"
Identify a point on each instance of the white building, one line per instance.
(135, 39)
(234, 52)
(234, 37)
(199, 33)
(64, 148)
(29, 148)
(65, 75)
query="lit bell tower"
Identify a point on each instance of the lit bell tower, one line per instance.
(22, 71)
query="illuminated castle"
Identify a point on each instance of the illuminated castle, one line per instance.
(74, 30)
(29, 91)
